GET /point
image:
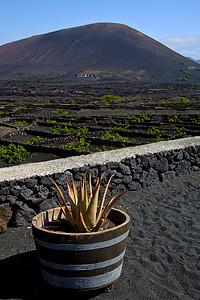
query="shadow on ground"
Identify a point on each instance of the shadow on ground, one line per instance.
(20, 279)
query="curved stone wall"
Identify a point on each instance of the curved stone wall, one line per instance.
(27, 189)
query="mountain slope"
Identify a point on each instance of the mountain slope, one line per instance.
(97, 46)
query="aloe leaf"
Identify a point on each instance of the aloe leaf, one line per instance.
(97, 182)
(61, 194)
(65, 203)
(98, 225)
(70, 191)
(67, 214)
(106, 210)
(90, 187)
(83, 223)
(75, 191)
(75, 198)
(103, 198)
(80, 223)
(62, 208)
(110, 204)
(81, 199)
(72, 199)
(86, 200)
(105, 224)
(91, 215)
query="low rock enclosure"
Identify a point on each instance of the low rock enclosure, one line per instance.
(32, 190)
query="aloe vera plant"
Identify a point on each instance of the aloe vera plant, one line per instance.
(85, 214)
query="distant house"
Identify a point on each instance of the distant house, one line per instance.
(87, 75)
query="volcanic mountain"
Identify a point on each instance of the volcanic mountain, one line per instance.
(100, 46)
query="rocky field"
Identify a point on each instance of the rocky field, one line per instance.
(44, 120)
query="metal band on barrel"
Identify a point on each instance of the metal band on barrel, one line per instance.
(82, 247)
(82, 267)
(82, 282)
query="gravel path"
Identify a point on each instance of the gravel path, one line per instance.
(162, 260)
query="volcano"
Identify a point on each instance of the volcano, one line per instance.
(100, 46)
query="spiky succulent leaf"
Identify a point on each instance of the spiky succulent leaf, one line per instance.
(85, 193)
(91, 215)
(61, 194)
(106, 210)
(68, 215)
(103, 199)
(75, 191)
(90, 186)
(80, 223)
(80, 204)
(71, 199)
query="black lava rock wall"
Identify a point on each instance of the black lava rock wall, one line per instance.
(29, 196)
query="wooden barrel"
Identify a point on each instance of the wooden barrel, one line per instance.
(81, 261)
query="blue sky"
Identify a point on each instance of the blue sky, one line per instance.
(175, 23)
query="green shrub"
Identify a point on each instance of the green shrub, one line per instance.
(180, 99)
(60, 111)
(33, 140)
(111, 98)
(182, 79)
(3, 113)
(80, 145)
(48, 120)
(182, 132)
(153, 130)
(105, 148)
(80, 130)
(174, 118)
(58, 129)
(19, 123)
(13, 154)
(140, 119)
(118, 127)
(117, 138)
(195, 120)
(64, 129)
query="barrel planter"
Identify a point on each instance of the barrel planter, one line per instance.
(80, 261)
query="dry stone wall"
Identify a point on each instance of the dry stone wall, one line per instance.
(136, 167)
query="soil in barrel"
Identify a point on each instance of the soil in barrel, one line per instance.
(63, 226)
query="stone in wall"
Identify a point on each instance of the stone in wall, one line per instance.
(118, 189)
(5, 216)
(161, 165)
(23, 215)
(133, 186)
(132, 164)
(183, 168)
(125, 170)
(48, 204)
(167, 176)
(151, 178)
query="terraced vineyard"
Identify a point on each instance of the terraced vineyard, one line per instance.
(78, 121)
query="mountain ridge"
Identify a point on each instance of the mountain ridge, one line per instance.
(110, 46)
